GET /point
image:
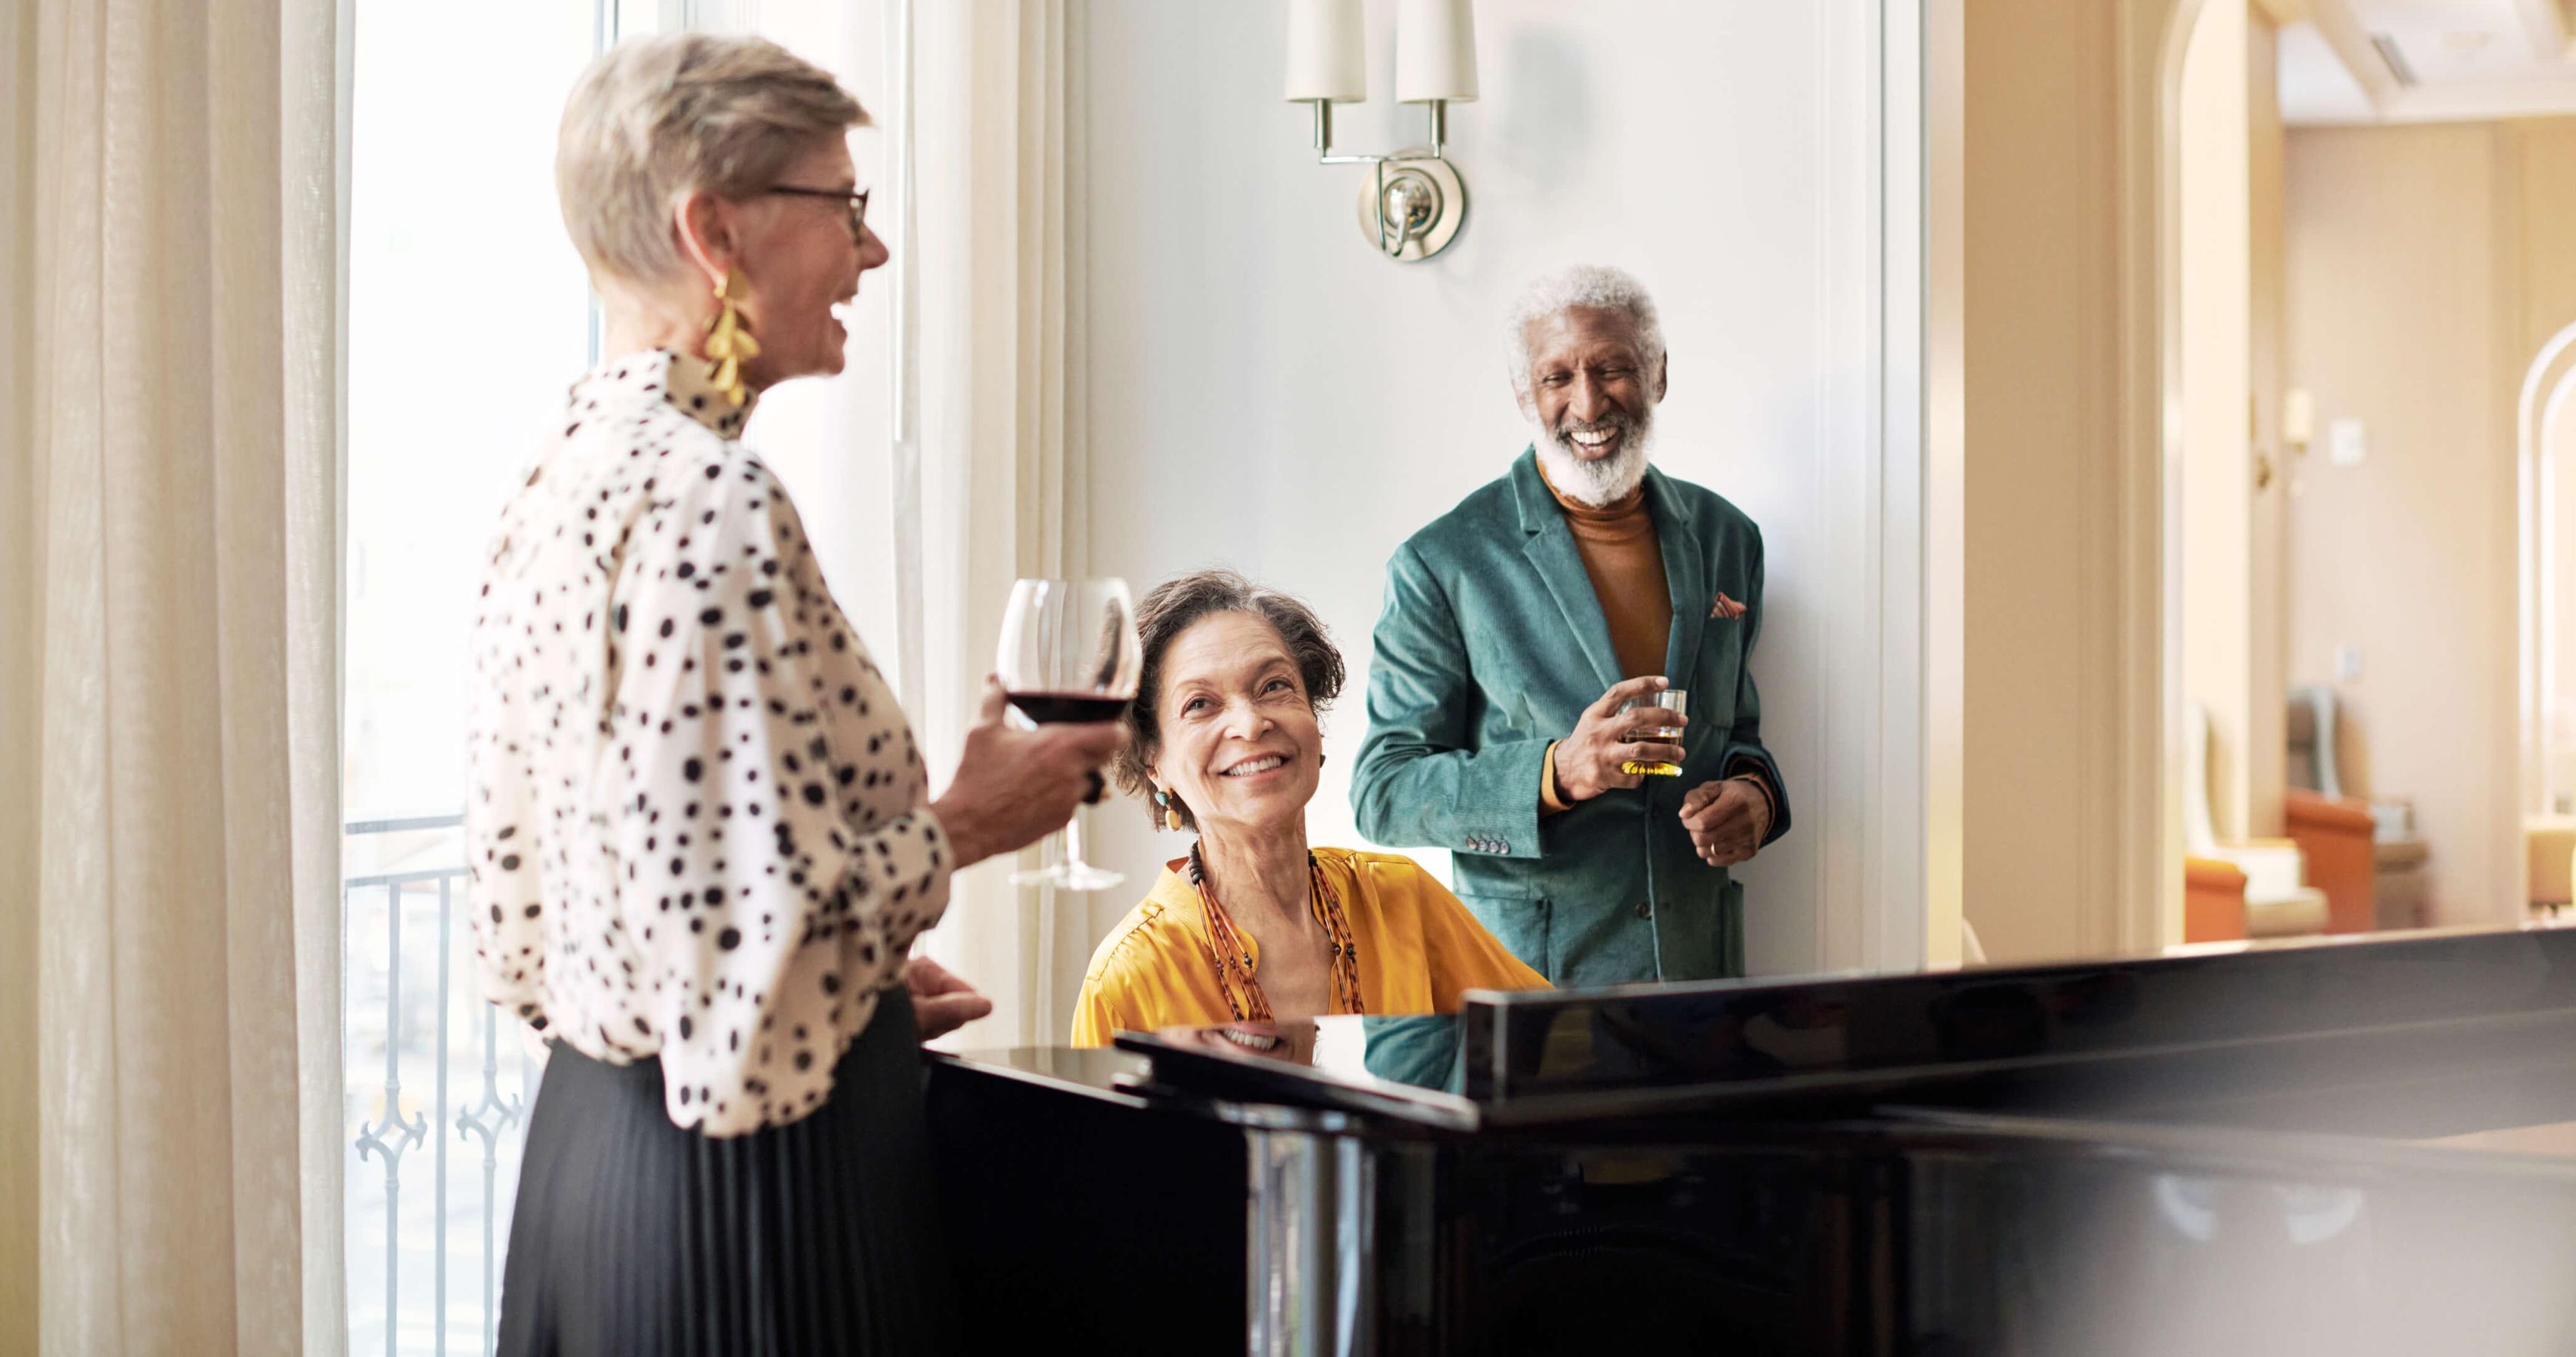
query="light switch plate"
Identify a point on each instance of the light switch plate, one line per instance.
(2347, 442)
(2347, 660)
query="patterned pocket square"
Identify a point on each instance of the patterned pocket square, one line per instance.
(1726, 608)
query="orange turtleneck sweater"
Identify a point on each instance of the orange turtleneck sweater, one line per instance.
(1626, 562)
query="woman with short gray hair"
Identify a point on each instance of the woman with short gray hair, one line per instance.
(698, 824)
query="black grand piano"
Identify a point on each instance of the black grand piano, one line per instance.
(2349, 1147)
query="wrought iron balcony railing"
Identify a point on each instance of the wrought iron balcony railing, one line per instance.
(451, 1075)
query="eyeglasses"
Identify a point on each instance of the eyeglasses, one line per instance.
(857, 202)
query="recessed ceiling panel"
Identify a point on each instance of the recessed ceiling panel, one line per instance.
(2315, 87)
(2449, 43)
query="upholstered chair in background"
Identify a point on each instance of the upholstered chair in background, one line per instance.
(2377, 882)
(2278, 899)
(2213, 901)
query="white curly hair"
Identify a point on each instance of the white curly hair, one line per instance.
(1604, 480)
(1596, 285)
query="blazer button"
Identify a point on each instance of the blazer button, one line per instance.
(1644, 910)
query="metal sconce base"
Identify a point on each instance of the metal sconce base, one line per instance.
(1413, 202)
(1424, 203)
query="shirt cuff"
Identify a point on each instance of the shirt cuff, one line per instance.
(1770, 800)
(1549, 803)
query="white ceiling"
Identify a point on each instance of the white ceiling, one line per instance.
(2428, 61)
(2315, 86)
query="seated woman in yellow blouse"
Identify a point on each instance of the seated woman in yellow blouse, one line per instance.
(1256, 925)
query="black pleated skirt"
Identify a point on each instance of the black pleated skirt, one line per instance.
(636, 1238)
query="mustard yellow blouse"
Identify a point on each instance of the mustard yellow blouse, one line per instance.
(1420, 951)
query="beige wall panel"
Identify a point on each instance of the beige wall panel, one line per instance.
(2542, 157)
(2392, 289)
(2040, 267)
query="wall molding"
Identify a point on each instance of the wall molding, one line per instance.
(2147, 759)
(1926, 450)
(2551, 369)
(1889, 685)
(1874, 871)
(2150, 642)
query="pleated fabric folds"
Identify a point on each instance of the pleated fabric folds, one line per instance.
(636, 1238)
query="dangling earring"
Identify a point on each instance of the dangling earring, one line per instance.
(1171, 813)
(728, 343)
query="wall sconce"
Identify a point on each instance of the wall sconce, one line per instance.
(1414, 202)
(2298, 418)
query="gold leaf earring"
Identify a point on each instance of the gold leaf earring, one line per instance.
(729, 342)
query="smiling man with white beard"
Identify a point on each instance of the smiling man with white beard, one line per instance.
(1521, 625)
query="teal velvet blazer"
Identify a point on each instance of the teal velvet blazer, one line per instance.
(1491, 644)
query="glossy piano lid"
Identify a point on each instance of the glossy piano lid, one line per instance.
(1405, 1067)
(2412, 1037)
(1419, 1052)
(2398, 1037)
(2213, 1028)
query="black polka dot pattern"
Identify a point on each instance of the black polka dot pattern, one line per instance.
(696, 816)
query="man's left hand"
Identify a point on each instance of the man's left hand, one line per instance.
(941, 1003)
(1726, 820)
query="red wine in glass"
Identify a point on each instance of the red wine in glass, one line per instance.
(1068, 652)
(1052, 708)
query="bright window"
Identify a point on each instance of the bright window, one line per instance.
(469, 316)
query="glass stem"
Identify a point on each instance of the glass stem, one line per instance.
(1073, 841)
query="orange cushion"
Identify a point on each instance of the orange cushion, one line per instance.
(2213, 900)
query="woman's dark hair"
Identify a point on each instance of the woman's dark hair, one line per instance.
(1176, 605)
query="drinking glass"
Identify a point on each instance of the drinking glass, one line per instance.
(1069, 653)
(1674, 700)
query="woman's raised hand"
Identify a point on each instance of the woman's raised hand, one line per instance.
(1015, 787)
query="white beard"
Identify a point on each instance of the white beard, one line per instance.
(1596, 483)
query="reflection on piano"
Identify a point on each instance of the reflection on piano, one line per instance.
(2352, 1147)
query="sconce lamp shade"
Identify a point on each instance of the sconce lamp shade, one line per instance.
(1435, 51)
(1327, 58)
(2298, 417)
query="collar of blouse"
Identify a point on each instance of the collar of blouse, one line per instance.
(659, 374)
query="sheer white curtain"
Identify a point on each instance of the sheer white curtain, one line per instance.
(169, 646)
(988, 472)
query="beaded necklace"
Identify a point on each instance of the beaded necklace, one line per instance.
(1234, 978)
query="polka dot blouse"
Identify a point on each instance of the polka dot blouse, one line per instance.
(696, 818)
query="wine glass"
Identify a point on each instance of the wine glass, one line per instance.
(1069, 653)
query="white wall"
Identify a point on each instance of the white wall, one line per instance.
(1265, 393)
